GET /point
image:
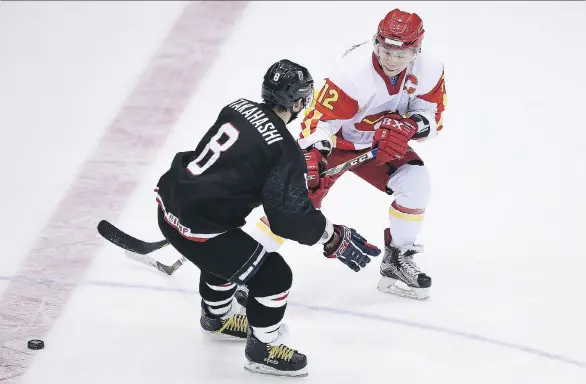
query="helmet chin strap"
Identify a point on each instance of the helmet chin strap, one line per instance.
(293, 115)
(415, 54)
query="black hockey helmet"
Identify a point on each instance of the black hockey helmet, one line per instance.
(286, 82)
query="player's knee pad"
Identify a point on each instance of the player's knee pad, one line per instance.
(271, 284)
(410, 185)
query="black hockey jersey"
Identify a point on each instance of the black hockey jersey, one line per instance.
(247, 158)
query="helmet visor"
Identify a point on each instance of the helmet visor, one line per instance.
(394, 58)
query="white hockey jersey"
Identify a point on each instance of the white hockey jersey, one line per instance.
(355, 97)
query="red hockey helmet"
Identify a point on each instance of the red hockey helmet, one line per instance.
(400, 30)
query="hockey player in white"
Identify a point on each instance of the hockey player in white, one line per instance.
(381, 95)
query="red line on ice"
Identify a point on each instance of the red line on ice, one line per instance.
(31, 304)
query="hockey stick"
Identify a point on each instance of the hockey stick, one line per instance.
(136, 249)
(351, 163)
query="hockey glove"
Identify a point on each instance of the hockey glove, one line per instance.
(316, 195)
(350, 248)
(392, 138)
(316, 164)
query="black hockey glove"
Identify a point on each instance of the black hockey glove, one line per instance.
(350, 248)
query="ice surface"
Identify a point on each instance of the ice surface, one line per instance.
(503, 231)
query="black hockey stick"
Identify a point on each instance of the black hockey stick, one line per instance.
(136, 249)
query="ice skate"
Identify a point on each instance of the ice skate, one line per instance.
(399, 273)
(231, 326)
(274, 358)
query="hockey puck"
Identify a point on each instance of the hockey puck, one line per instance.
(36, 344)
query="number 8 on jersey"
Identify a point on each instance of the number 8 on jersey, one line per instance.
(204, 161)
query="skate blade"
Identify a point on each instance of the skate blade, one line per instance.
(390, 285)
(265, 370)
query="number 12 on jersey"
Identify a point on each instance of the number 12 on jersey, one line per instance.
(220, 142)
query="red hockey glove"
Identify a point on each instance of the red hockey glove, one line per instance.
(392, 138)
(316, 163)
(317, 194)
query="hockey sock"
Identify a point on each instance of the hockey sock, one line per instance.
(217, 294)
(267, 297)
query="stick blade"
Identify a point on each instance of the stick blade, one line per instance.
(117, 237)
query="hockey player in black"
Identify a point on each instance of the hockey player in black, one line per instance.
(248, 158)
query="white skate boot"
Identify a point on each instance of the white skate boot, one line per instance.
(399, 273)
